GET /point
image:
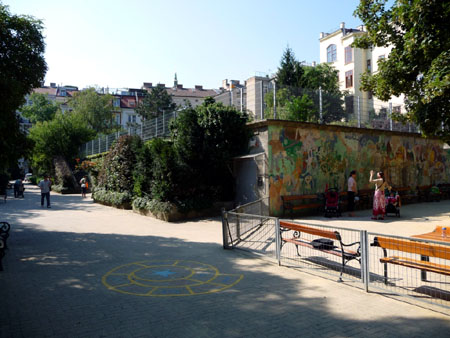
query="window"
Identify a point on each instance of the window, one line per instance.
(381, 57)
(349, 79)
(348, 54)
(369, 66)
(116, 102)
(131, 103)
(331, 53)
(132, 118)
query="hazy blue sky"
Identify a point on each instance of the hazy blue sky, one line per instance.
(125, 43)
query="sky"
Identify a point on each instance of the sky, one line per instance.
(122, 44)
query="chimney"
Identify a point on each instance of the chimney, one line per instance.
(52, 84)
(322, 34)
(179, 86)
(161, 85)
(342, 25)
(147, 85)
(198, 87)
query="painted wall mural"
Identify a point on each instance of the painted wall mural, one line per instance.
(304, 161)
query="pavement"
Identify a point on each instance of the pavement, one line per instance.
(81, 269)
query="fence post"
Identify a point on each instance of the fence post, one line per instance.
(278, 240)
(320, 105)
(262, 101)
(274, 100)
(359, 114)
(224, 230)
(390, 116)
(365, 270)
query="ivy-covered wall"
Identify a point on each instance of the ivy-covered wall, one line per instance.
(305, 158)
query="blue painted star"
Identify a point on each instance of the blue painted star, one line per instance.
(163, 273)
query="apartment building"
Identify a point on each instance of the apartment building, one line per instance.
(336, 49)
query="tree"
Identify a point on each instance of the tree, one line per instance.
(419, 63)
(22, 68)
(41, 109)
(96, 109)
(155, 102)
(205, 139)
(61, 136)
(290, 72)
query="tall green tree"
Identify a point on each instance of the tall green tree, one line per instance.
(419, 63)
(96, 109)
(155, 102)
(41, 109)
(290, 72)
(22, 68)
(61, 136)
(205, 139)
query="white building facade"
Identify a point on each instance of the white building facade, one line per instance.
(351, 63)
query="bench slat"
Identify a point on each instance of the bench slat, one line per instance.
(419, 248)
(312, 231)
(306, 206)
(417, 264)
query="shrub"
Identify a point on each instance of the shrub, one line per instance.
(117, 170)
(154, 206)
(164, 170)
(113, 198)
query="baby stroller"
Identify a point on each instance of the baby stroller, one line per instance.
(332, 203)
(393, 203)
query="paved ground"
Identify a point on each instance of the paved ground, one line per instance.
(74, 271)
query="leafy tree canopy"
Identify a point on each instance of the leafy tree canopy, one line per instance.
(205, 138)
(61, 136)
(22, 68)
(41, 109)
(96, 109)
(155, 102)
(419, 63)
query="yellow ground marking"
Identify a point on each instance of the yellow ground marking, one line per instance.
(165, 289)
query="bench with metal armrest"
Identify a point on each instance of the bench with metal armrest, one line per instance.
(333, 247)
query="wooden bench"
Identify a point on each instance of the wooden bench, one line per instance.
(423, 193)
(406, 195)
(445, 189)
(4, 234)
(365, 198)
(301, 202)
(426, 250)
(332, 248)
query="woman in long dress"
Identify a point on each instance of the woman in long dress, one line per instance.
(379, 202)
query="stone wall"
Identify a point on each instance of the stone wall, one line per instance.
(305, 158)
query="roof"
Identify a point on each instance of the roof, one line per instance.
(45, 90)
(190, 92)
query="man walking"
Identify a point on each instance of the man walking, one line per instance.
(45, 186)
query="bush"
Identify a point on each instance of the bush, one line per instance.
(117, 170)
(113, 198)
(154, 206)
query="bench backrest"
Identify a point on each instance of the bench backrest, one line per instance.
(309, 230)
(298, 197)
(419, 248)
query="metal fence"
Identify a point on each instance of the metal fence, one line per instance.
(266, 100)
(151, 128)
(394, 271)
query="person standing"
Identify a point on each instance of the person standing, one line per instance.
(84, 185)
(45, 186)
(351, 193)
(379, 202)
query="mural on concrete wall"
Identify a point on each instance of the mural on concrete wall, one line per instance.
(303, 161)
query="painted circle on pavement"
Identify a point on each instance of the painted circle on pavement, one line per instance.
(165, 278)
